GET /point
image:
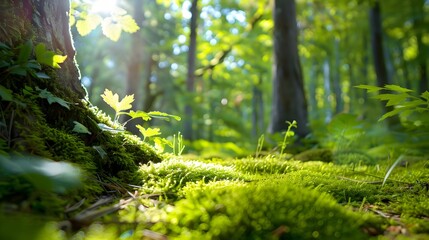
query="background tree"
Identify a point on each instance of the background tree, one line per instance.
(190, 79)
(289, 102)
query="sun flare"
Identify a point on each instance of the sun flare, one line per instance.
(104, 6)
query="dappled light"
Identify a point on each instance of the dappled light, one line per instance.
(203, 119)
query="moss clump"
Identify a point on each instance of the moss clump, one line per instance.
(324, 155)
(266, 166)
(272, 210)
(172, 175)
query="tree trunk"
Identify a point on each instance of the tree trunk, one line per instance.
(379, 57)
(134, 66)
(419, 28)
(190, 81)
(50, 129)
(289, 101)
(339, 103)
(327, 90)
(23, 19)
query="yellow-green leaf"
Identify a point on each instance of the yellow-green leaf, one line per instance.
(113, 101)
(139, 114)
(397, 88)
(128, 24)
(369, 88)
(149, 132)
(85, 26)
(111, 30)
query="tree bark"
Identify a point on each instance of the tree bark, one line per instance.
(30, 19)
(289, 101)
(190, 81)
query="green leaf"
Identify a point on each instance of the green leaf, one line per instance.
(80, 128)
(149, 132)
(160, 144)
(4, 46)
(47, 57)
(394, 112)
(397, 88)
(162, 115)
(425, 95)
(6, 94)
(400, 158)
(43, 93)
(18, 70)
(113, 101)
(104, 127)
(369, 88)
(392, 99)
(43, 173)
(42, 75)
(139, 114)
(25, 52)
(100, 151)
(33, 64)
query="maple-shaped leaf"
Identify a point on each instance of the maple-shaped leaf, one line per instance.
(149, 132)
(139, 114)
(113, 101)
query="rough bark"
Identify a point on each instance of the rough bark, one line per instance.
(45, 22)
(289, 101)
(190, 81)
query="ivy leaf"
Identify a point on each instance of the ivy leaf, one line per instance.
(165, 116)
(370, 88)
(87, 25)
(113, 101)
(80, 128)
(43, 93)
(149, 132)
(47, 57)
(397, 88)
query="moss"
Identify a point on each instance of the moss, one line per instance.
(172, 175)
(32, 125)
(324, 155)
(274, 210)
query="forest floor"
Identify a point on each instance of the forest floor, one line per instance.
(252, 198)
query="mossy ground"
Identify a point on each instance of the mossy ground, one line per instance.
(268, 198)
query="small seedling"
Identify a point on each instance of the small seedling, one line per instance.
(289, 133)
